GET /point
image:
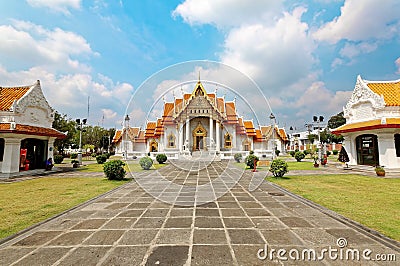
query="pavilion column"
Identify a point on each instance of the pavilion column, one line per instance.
(180, 140)
(218, 141)
(11, 155)
(187, 133)
(211, 130)
(50, 148)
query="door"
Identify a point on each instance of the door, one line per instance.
(367, 150)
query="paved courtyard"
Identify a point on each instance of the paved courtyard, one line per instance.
(130, 227)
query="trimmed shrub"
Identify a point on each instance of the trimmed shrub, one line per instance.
(74, 155)
(278, 168)
(94, 155)
(58, 158)
(250, 160)
(299, 156)
(306, 152)
(107, 155)
(101, 158)
(328, 153)
(335, 152)
(114, 170)
(146, 163)
(161, 158)
(238, 157)
(277, 152)
(292, 153)
(251, 152)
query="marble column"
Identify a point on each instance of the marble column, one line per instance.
(187, 133)
(11, 155)
(211, 137)
(180, 140)
(218, 141)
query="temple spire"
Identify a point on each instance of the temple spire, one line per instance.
(199, 75)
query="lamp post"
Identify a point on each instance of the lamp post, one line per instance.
(80, 125)
(318, 120)
(126, 126)
(272, 117)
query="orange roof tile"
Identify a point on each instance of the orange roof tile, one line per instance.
(31, 130)
(240, 129)
(230, 108)
(141, 137)
(389, 90)
(117, 136)
(9, 95)
(150, 128)
(221, 105)
(249, 128)
(211, 95)
(168, 109)
(187, 96)
(368, 125)
(282, 134)
(259, 136)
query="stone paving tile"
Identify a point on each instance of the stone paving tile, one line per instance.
(129, 227)
(38, 238)
(10, 255)
(168, 255)
(138, 237)
(44, 256)
(104, 237)
(174, 236)
(126, 256)
(209, 236)
(71, 238)
(211, 255)
(84, 256)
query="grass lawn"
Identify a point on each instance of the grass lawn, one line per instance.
(23, 204)
(133, 167)
(373, 202)
(303, 165)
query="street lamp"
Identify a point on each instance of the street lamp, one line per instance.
(126, 126)
(318, 120)
(272, 117)
(80, 128)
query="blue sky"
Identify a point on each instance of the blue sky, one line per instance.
(304, 55)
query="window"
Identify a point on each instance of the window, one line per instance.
(228, 141)
(171, 141)
(397, 144)
(1, 149)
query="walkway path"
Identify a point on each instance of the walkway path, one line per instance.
(129, 227)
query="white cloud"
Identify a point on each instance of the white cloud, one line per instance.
(32, 45)
(224, 13)
(62, 6)
(69, 93)
(352, 50)
(317, 99)
(360, 21)
(275, 56)
(397, 62)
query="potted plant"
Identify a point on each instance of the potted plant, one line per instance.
(315, 158)
(75, 163)
(380, 171)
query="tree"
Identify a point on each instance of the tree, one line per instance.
(312, 138)
(64, 124)
(336, 121)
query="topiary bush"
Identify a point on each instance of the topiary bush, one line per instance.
(74, 155)
(277, 152)
(161, 158)
(146, 163)
(238, 157)
(306, 152)
(101, 158)
(299, 156)
(58, 158)
(292, 153)
(328, 153)
(335, 152)
(278, 168)
(114, 170)
(250, 160)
